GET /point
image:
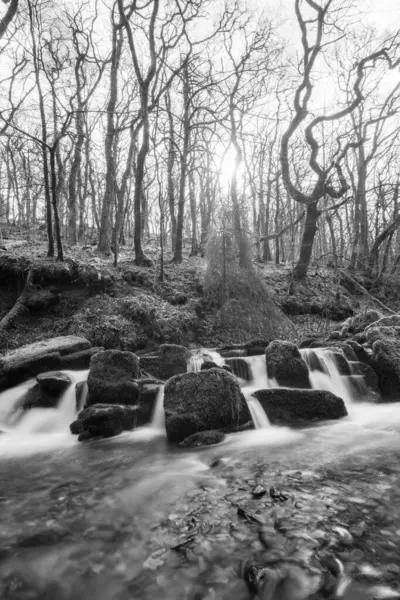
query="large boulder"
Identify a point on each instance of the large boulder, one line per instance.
(170, 360)
(112, 378)
(286, 366)
(54, 382)
(104, 420)
(298, 407)
(32, 359)
(203, 401)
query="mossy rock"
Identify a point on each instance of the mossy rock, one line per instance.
(202, 401)
(112, 378)
(286, 366)
(297, 407)
(170, 360)
(104, 420)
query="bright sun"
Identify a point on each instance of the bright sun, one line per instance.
(227, 166)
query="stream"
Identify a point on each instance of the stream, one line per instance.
(134, 517)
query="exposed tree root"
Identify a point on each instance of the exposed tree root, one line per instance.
(19, 306)
(366, 292)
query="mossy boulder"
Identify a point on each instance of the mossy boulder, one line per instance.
(385, 361)
(169, 360)
(286, 366)
(203, 438)
(202, 401)
(297, 407)
(209, 364)
(104, 420)
(361, 391)
(47, 392)
(240, 368)
(112, 378)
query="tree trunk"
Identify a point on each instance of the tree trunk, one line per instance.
(310, 229)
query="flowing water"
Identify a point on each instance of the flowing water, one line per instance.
(114, 519)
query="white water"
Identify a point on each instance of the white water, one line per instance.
(158, 418)
(200, 356)
(331, 380)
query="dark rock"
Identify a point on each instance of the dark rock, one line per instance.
(209, 364)
(81, 394)
(170, 360)
(148, 392)
(240, 368)
(112, 378)
(360, 352)
(38, 398)
(258, 491)
(53, 382)
(314, 361)
(298, 406)
(28, 361)
(369, 375)
(79, 360)
(202, 401)
(256, 346)
(104, 420)
(284, 363)
(329, 309)
(341, 363)
(386, 363)
(203, 438)
(227, 368)
(361, 391)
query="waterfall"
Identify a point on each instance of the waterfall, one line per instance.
(200, 356)
(258, 414)
(330, 379)
(52, 420)
(158, 418)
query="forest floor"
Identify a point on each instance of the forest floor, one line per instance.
(129, 307)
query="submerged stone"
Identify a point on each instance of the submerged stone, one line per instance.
(203, 438)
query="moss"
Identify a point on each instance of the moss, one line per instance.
(102, 420)
(112, 378)
(294, 407)
(284, 363)
(201, 401)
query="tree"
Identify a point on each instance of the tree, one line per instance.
(324, 185)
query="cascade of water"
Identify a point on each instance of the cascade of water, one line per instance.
(158, 418)
(258, 368)
(10, 403)
(200, 356)
(330, 380)
(257, 412)
(51, 420)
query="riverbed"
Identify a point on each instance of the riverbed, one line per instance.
(134, 518)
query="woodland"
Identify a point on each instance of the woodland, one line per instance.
(167, 121)
(199, 299)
